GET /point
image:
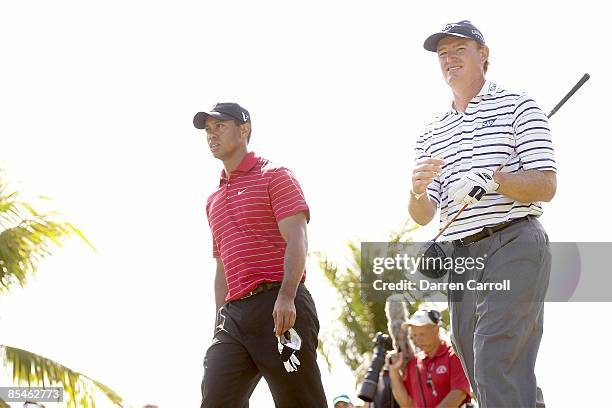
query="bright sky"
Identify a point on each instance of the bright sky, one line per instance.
(96, 108)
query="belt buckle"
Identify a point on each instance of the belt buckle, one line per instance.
(262, 287)
(465, 244)
(251, 293)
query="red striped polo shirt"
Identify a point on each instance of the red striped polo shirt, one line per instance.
(444, 372)
(243, 214)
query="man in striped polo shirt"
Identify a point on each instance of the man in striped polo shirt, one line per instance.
(266, 323)
(459, 159)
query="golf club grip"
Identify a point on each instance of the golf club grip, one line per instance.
(572, 91)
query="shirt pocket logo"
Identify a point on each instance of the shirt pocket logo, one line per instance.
(487, 123)
(441, 369)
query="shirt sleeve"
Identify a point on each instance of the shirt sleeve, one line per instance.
(532, 136)
(420, 152)
(286, 196)
(458, 379)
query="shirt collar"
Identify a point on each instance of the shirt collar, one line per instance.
(488, 88)
(248, 162)
(442, 349)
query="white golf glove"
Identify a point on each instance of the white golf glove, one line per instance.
(288, 344)
(473, 186)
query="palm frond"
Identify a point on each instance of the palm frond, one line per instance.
(26, 237)
(30, 369)
(3, 404)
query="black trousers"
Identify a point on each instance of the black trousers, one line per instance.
(245, 348)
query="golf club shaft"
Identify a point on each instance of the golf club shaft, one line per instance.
(450, 222)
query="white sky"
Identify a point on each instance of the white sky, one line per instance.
(96, 104)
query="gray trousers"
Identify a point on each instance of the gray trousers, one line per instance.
(495, 332)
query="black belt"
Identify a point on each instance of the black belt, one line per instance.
(264, 287)
(488, 231)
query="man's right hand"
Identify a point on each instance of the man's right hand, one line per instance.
(424, 173)
(395, 360)
(397, 383)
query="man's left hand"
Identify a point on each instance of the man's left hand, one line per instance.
(284, 314)
(473, 186)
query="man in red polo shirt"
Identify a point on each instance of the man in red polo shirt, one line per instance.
(266, 323)
(434, 376)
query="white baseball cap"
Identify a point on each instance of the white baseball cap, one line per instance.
(423, 317)
(342, 398)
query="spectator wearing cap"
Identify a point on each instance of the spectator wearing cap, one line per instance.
(487, 164)
(342, 401)
(266, 322)
(433, 377)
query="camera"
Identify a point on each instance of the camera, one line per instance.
(382, 344)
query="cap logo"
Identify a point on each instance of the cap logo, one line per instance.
(477, 34)
(245, 117)
(448, 27)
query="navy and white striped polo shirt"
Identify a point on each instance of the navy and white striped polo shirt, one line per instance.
(497, 127)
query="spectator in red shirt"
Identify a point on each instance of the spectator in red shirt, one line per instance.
(434, 376)
(266, 323)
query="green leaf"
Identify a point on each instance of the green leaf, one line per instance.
(27, 236)
(31, 369)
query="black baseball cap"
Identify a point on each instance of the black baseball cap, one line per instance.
(222, 111)
(463, 29)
